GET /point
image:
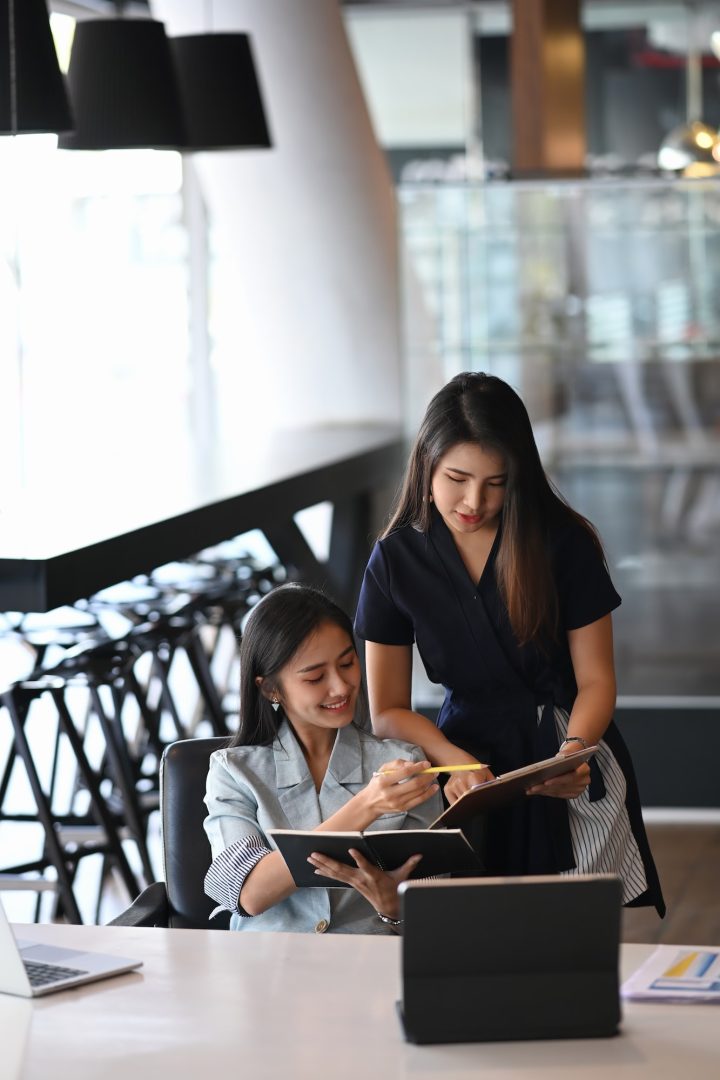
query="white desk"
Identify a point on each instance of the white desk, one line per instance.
(209, 1004)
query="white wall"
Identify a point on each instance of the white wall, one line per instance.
(308, 228)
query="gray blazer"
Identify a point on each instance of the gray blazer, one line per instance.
(251, 789)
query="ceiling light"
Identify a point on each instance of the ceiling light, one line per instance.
(219, 91)
(123, 87)
(32, 91)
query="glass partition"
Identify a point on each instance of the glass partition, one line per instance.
(599, 301)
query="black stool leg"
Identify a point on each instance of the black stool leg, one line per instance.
(18, 715)
(122, 773)
(149, 716)
(161, 669)
(201, 670)
(5, 782)
(104, 817)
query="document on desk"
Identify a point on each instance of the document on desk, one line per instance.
(676, 973)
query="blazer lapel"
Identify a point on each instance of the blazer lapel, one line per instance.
(345, 763)
(296, 791)
(344, 772)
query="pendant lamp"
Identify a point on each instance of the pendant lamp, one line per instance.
(123, 88)
(219, 90)
(693, 150)
(32, 90)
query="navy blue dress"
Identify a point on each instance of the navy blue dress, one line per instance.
(506, 704)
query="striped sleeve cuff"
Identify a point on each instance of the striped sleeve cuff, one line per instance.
(228, 872)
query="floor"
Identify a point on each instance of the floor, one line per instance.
(688, 862)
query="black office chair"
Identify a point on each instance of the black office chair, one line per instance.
(179, 900)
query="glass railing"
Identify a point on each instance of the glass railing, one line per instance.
(599, 301)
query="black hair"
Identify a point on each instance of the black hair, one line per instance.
(483, 409)
(275, 630)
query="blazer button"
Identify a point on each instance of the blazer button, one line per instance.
(322, 926)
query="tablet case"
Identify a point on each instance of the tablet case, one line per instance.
(510, 958)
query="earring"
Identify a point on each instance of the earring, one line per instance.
(275, 704)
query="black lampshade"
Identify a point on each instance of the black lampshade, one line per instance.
(32, 89)
(123, 88)
(220, 94)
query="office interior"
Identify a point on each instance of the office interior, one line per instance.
(167, 316)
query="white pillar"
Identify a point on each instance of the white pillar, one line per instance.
(307, 230)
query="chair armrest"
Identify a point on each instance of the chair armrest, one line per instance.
(150, 908)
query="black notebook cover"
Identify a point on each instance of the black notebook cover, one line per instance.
(443, 852)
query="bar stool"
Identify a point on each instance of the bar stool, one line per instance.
(26, 641)
(18, 701)
(43, 638)
(121, 650)
(241, 583)
(164, 639)
(194, 608)
(160, 625)
(127, 774)
(130, 759)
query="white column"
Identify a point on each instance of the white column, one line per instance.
(307, 230)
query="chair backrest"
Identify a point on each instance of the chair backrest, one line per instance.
(186, 848)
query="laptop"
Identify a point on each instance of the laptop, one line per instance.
(30, 969)
(494, 959)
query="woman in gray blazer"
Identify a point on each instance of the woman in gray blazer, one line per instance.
(301, 759)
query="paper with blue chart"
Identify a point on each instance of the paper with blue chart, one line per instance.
(677, 973)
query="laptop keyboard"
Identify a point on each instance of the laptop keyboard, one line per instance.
(44, 974)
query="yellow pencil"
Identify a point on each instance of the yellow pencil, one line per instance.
(439, 769)
(455, 768)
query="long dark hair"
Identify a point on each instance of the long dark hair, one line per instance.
(273, 633)
(482, 409)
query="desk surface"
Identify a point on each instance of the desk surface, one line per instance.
(213, 1004)
(74, 538)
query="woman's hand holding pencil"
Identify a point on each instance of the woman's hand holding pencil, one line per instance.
(397, 774)
(465, 776)
(399, 786)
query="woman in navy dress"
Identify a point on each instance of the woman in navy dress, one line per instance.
(505, 592)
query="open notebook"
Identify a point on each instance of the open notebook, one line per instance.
(30, 969)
